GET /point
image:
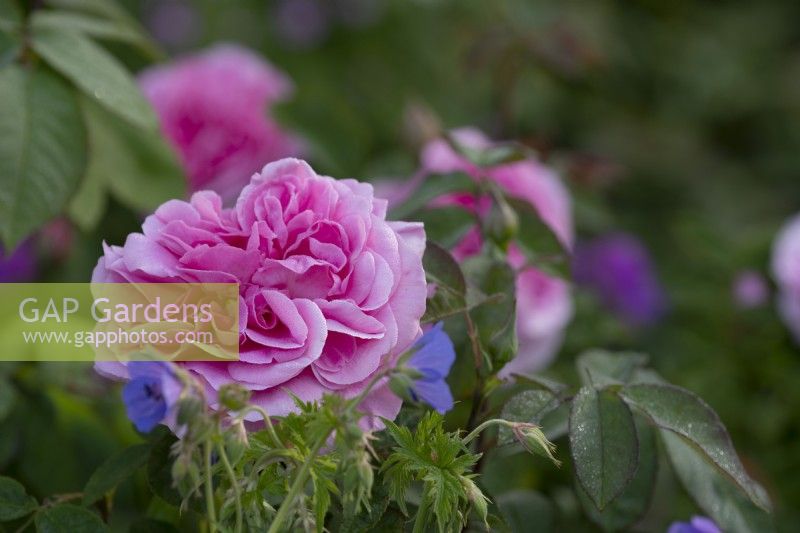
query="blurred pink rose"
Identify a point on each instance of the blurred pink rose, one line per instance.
(544, 303)
(213, 107)
(330, 292)
(786, 271)
(750, 289)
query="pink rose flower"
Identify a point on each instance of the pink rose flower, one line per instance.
(786, 272)
(544, 303)
(330, 291)
(213, 109)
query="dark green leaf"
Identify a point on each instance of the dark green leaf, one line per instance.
(42, 150)
(496, 319)
(96, 72)
(632, 504)
(526, 511)
(114, 471)
(67, 518)
(445, 274)
(714, 492)
(538, 242)
(14, 501)
(528, 406)
(7, 396)
(446, 225)
(682, 412)
(431, 188)
(159, 470)
(600, 368)
(605, 449)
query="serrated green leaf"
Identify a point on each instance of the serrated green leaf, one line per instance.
(42, 150)
(678, 410)
(114, 471)
(432, 187)
(600, 368)
(632, 504)
(96, 72)
(14, 501)
(136, 166)
(68, 518)
(714, 492)
(604, 445)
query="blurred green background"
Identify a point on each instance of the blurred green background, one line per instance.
(678, 122)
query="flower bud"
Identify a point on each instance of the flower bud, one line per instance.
(503, 223)
(233, 396)
(476, 498)
(534, 440)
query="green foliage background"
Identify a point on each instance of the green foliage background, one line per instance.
(676, 121)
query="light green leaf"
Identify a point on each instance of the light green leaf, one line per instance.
(634, 501)
(88, 204)
(138, 167)
(114, 471)
(93, 26)
(600, 368)
(714, 492)
(96, 72)
(42, 150)
(14, 501)
(680, 411)
(67, 518)
(604, 445)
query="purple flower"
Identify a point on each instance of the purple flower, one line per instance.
(698, 524)
(433, 357)
(20, 266)
(618, 269)
(750, 289)
(151, 394)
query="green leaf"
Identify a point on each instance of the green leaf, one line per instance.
(445, 274)
(137, 166)
(431, 188)
(67, 518)
(89, 202)
(495, 321)
(600, 368)
(680, 411)
(526, 511)
(605, 449)
(42, 150)
(93, 26)
(446, 225)
(497, 154)
(538, 242)
(8, 395)
(528, 406)
(634, 501)
(14, 501)
(714, 492)
(159, 470)
(96, 72)
(114, 471)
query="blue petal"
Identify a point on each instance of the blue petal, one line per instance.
(434, 354)
(145, 409)
(435, 393)
(153, 369)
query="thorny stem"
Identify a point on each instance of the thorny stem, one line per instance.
(236, 493)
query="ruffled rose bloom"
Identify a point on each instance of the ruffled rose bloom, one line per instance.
(544, 304)
(330, 291)
(213, 109)
(786, 272)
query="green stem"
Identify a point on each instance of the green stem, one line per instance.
(477, 431)
(302, 476)
(234, 484)
(209, 489)
(267, 422)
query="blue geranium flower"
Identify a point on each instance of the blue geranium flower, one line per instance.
(151, 394)
(432, 358)
(698, 524)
